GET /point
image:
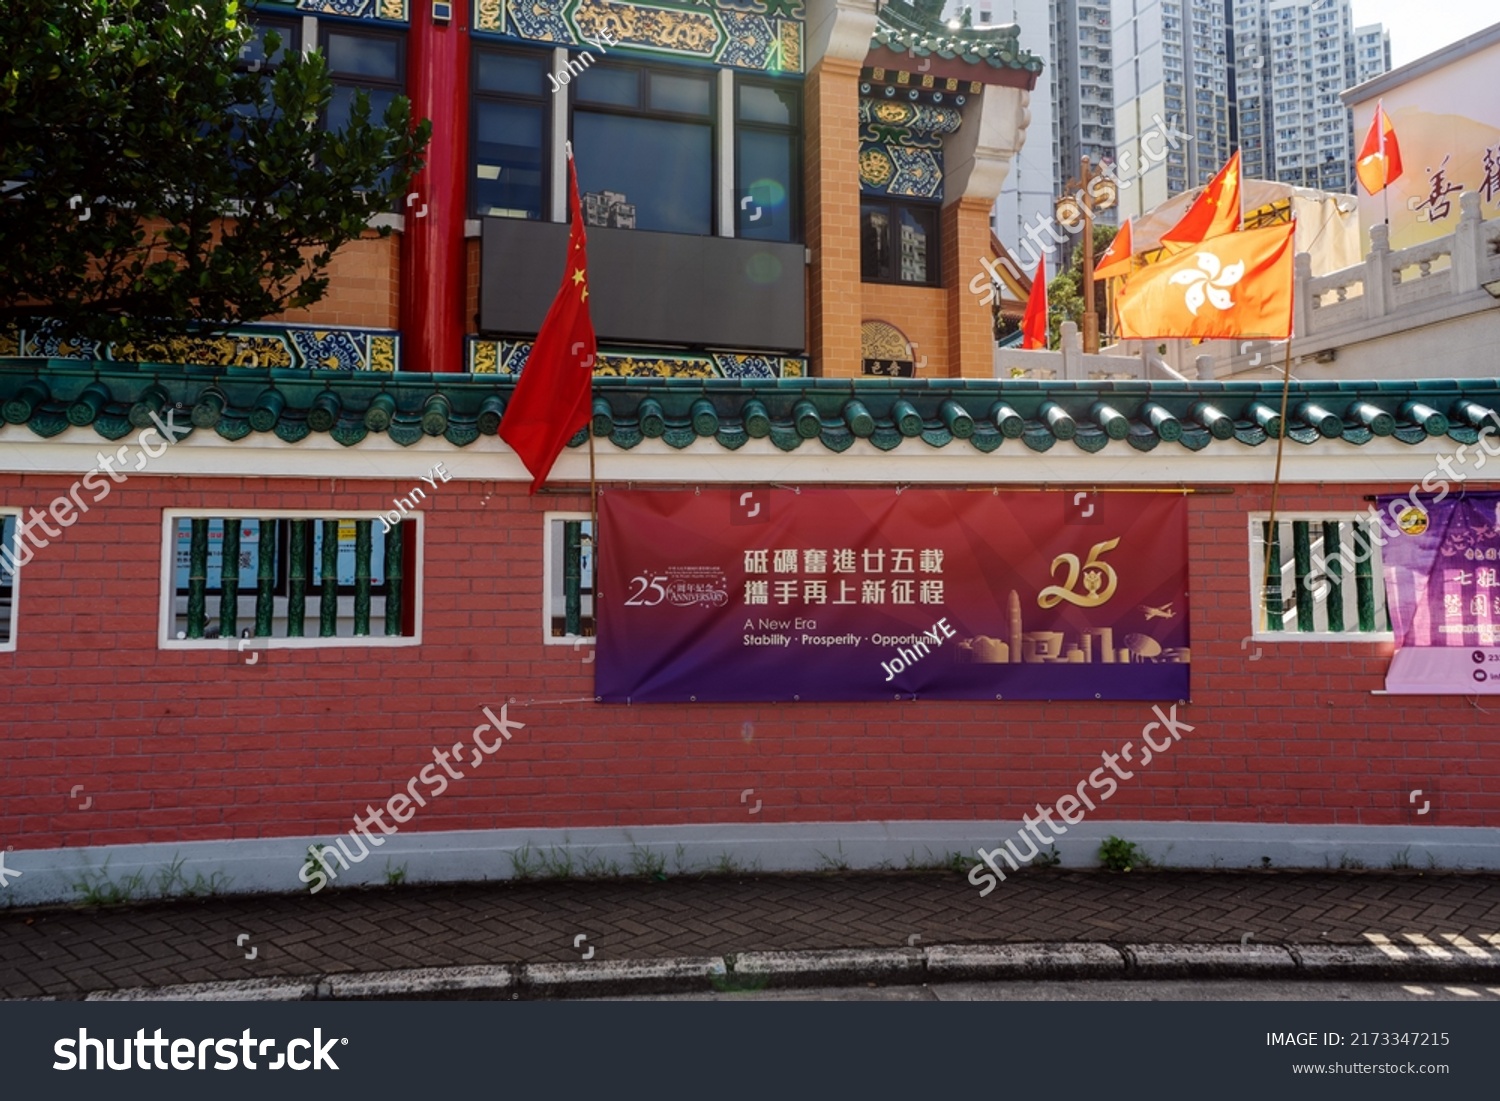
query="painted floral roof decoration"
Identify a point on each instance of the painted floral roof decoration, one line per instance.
(917, 27)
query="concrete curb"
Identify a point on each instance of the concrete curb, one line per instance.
(750, 971)
(1209, 961)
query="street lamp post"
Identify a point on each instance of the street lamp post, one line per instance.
(1079, 202)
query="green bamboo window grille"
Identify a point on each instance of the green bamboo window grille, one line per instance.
(7, 578)
(570, 604)
(1324, 577)
(294, 577)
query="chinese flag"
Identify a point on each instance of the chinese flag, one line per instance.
(1379, 163)
(1215, 211)
(1116, 259)
(1233, 286)
(551, 400)
(1034, 324)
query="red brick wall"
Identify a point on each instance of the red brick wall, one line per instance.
(177, 746)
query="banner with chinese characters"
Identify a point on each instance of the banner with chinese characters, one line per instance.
(1442, 586)
(871, 594)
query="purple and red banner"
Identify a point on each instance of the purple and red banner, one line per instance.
(875, 594)
(1442, 586)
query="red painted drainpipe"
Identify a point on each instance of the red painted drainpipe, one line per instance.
(434, 266)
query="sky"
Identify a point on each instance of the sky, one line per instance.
(1419, 28)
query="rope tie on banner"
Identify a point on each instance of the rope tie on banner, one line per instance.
(542, 703)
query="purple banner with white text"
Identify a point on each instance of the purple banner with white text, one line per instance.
(868, 594)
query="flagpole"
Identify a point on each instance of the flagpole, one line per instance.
(1385, 165)
(1265, 581)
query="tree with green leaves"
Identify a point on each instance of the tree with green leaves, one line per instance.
(154, 180)
(1065, 291)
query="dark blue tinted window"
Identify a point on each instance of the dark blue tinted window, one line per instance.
(762, 103)
(605, 84)
(351, 55)
(663, 168)
(509, 139)
(765, 188)
(514, 73)
(688, 95)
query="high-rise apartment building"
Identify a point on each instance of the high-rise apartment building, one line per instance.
(1250, 88)
(1082, 85)
(1372, 52)
(1171, 74)
(1292, 58)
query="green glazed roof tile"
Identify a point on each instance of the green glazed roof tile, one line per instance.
(112, 399)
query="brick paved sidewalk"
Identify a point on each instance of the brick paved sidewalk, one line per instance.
(67, 952)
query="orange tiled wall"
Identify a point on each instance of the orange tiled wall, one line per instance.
(364, 288)
(919, 313)
(970, 325)
(831, 179)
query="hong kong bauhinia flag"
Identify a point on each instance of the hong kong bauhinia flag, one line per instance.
(1235, 286)
(551, 400)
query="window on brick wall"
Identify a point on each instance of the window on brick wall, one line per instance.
(10, 580)
(899, 242)
(292, 579)
(568, 581)
(1324, 579)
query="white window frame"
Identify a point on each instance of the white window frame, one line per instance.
(9, 645)
(1288, 573)
(166, 638)
(549, 519)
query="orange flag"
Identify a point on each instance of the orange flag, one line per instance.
(1034, 324)
(1116, 259)
(1215, 211)
(1379, 163)
(1238, 285)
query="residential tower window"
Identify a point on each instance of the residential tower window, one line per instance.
(643, 141)
(899, 243)
(511, 143)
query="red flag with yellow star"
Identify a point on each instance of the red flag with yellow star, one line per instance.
(1215, 211)
(551, 400)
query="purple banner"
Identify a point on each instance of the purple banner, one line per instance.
(871, 594)
(1442, 586)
